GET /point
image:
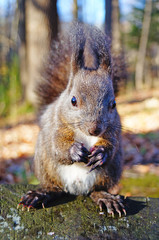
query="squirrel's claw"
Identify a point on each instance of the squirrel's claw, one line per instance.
(113, 204)
(78, 152)
(99, 163)
(112, 207)
(98, 157)
(33, 200)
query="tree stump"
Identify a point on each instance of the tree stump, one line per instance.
(75, 218)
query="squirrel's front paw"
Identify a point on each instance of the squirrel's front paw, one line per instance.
(98, 157)
(78, 152)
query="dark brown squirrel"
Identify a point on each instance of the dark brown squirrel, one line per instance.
(78, 150)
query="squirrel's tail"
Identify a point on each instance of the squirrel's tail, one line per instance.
(90, 48)
(119, 72)
(55, 73)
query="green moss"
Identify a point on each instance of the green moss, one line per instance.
(147, 185)
(76, 218)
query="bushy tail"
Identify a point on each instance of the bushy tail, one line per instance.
(90, 48)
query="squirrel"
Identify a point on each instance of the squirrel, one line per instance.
(78, 150)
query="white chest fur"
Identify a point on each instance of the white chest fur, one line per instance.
(77, 179)
(88, 141)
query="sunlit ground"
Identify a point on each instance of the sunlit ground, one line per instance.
(140, 119)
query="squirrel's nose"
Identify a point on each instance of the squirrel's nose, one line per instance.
(94, 130)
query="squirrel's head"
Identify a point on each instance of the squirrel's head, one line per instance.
(90, 103)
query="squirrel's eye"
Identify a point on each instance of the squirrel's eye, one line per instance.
(113, 104)
(74, 101)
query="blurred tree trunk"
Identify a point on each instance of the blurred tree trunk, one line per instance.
(112, 24)
(52, 18)
(75, 9)
(119, 73)
(116, 33)
(139, 71)
(38, 25)
(148, 75)
(23, 45)
(78, 10)
(37, 38)
(108, 17)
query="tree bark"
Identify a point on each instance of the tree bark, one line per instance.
(37, 39)
(22, 51)
(52, 19)
(38, 26)
(75, 9)
(139, 71)
(116, 36)
(108, 17)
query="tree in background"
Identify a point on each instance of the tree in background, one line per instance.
(108, 17)
(113, 29)
(139, 71)
(146, 36)
(9, 77)
(38, 26)
(77, 10)
(22, 51)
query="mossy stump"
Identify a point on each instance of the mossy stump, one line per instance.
(75, 218)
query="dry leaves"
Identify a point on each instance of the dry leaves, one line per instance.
(16, 150)
(18, 141)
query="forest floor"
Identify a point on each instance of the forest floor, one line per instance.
(140, 120)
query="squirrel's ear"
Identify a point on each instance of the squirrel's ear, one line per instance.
(74, 67)
(77, 61)
(84, 58)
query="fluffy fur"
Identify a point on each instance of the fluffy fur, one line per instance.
(79, 144)
(89, 55)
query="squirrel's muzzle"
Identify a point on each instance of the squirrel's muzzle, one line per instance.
(94, 129)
